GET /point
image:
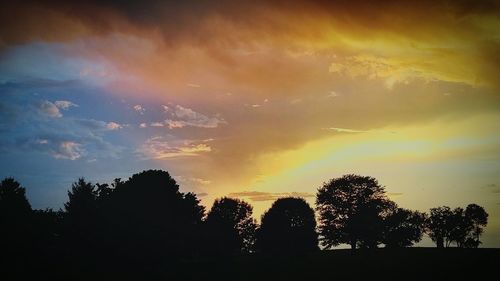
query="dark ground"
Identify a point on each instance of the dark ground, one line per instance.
(380, 264)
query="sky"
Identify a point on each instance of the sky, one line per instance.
(255, 99)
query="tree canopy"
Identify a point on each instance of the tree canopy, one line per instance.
(288, 226)
(403, 228)
(351, 210)
(230, 226)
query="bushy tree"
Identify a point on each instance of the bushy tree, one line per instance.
(459, 226)
(351, 210)
(288, 226)
(478, 219)
(403, 228)
(438, 225)
(82, 199)
(230, 226)
(149, 218)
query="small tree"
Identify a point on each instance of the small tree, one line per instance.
(230, 226)
(478, 219)
(82, 200)
(13, 199)
(445, 226)
(351, 210)
(403, 228)
(288, 226)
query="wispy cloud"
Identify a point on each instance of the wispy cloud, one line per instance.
(394, 194)
(345, 130)
(156, 124)
(98, 125)
(64, 104)
(193, 180)
(160, 148)
(182, 116)
(268, 196)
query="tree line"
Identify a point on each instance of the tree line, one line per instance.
(148, 219)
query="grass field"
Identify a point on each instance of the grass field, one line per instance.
(379, 264)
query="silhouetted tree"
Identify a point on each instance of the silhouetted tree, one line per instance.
(463, 227)
(438, 225)
(288, 226)
(351, 210)
(459, 227)
(403, 227)
(148, 218)
(230, 226)
(82, 198)
(48, 225)
(478, 219)
(15, 218)
(81, 218)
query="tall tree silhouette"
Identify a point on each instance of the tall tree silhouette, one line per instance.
(438, 225)
(230, 226)
(478, 219)
(351, 210)
(288, 226)
(81, 226)
(403, 228)
(15, 218)
(459, 227)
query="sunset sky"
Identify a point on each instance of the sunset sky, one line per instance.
(255, 99)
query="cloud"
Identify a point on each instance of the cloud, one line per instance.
(394, 194)
(143, 125)
(268, 196)
(49, 109)
(68, 150)
(113, 126)
(332, 94)
(193, 180)
(201, 194)
(161, 148)
(59, 149)
(98, 125)
(139, 108)
(64, 104)
(183, 116)
(344, 130)
(156, 124)
(494, 188)
(61, 137)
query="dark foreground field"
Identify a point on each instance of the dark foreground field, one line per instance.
(381, 264)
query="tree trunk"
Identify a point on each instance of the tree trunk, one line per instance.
(440, 242)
